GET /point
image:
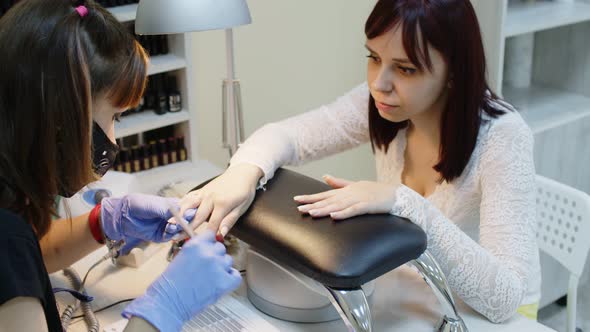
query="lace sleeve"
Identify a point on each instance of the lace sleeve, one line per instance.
(329, 129)
(490, 276)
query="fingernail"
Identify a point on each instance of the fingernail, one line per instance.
(301, 208)
(224, 230)
(219, 238)
(312, 212)
(326, 176)
(297, 198)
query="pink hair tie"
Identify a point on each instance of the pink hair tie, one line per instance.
(82, 10)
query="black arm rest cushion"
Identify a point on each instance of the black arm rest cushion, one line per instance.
(340, 254)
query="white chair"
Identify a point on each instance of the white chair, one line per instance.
(563, 216)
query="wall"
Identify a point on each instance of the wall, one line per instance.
(295, 56)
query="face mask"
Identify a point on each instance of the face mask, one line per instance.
(105, 151)
(104, 154)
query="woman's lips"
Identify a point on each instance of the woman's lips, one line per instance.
(385, 107)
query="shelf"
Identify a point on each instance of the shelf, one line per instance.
(190, 173)
(147, 120)
(124, 13)
(523, 18)
(164, 63)
(546, 108)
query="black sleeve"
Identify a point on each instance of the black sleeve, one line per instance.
(22, 270)
(19, 269)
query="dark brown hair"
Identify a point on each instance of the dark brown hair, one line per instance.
(450, 27)
(53, 64)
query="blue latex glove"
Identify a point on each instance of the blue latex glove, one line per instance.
(137, 217)
(199, 275)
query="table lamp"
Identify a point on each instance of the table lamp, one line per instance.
(157, 17)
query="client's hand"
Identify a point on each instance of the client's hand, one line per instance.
(199, 275)
(223, 200)
(348, 199)
(137, 217)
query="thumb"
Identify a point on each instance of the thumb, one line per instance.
(336, 182)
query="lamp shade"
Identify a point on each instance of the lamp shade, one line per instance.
(155, 17)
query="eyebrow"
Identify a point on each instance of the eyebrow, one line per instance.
(400, 60)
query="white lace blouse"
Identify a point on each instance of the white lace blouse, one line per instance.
(480, 227)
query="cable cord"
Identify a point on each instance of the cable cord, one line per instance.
(106, 307)
(78, 285)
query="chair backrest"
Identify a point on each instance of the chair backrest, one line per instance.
(563, 216)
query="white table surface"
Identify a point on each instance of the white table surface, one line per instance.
(402, 302)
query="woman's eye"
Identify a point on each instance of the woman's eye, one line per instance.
(373, 58)
(407, 70)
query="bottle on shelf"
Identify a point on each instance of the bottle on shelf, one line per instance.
(161, 97)
(140, 105)
(145, 157)
(149, 97)
(135, 159)
(173, 153)
(118, 166)
(126, 164)
(181, 148)
(154, 154)
(174, 98)
(163, 152)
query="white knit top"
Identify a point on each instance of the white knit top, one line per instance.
(480, 227)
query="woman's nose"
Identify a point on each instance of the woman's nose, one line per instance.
(383, 82)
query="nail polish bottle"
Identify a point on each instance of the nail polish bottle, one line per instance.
(149, 98)
(161, 97)
(125, 160)
(174, 98)
(172, 150)
(163, 152)
(118, 166)
(181, 148)
(154, 154)
(145, 155)
(135, 159)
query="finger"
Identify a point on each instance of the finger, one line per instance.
(203, 213)
(319, 204)
(349, 212)
(219, 249)
(191, 200)
(315, 197)
(170, 231)
(334, 207)
(335, 182)
(216, 217)
(189, 214)
(228, 262)
(229, 221)
(235, 279)
(148, 206)
(179, 237)
(206, 236)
